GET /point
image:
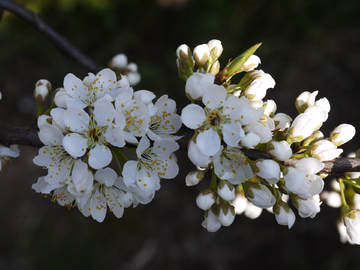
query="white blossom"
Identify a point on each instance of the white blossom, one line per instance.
(324, 150)
(252, 63)
(165, 122)
(342, 134)
(193, 178)
(302, 179)
(205, 199)
(226, 215)
(6, 153)
(197, 84)
(280, 150)
(230, 164)
(267, 169)
(309, 207)
(211, 222)
(352, 223)
(220, 115)
(259, 195)
(109, 191)
(226, 190)
(284, 217)
(92, 88)
(152, 164)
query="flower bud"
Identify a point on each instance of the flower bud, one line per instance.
(184, 62)
(342, 134)
(134, 78)
(183, 53)
(201, 54)
(256, 83)
(352, 223)
(211, 222)
(42, 90)
(270, 107)
(119, 61)
(302, 127)
(226, 215)
(279, 150)
(205, 199)
(259, 194)
(193, 178)
(315, 136)
(197, 84)
(282, 121)
(215, 49)
(324, 150)
(283, 214)
(307, 207)
(226, 190)
(305, 100)
(267, 169)
(251, 63)
(60, 97)
(215, 68)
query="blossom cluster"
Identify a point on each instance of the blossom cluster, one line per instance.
(98, 120)
(231, 120)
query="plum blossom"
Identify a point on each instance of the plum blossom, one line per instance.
(259, 195)
(93, 132)
(153, 163)
(302, 179)
(164, 122)
(109, 191)
(351, 221)
(197, 84)
(6, 153)
(211, 222)
(94, 87)
(220, 116)
(230, 164)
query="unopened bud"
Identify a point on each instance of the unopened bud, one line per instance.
(119, 61)
(216, 50)
(201, 55)
(193, 178)
(251, 63)
(342, 134)
(42, 90)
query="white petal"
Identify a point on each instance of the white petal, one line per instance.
(193, 116)
(104, 112)
(100, 156)
(106, 176)
(129, 172)
(76, 119)
(208, 142)
(74, 87)
(233, 133)
(75, 144)
(214, 97)
(98, 206)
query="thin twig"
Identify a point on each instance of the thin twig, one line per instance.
(29, 136)
(60, 42)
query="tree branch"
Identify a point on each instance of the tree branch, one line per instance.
(60, 42)
(29, 136)
(20, 135)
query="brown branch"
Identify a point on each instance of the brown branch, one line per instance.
(29, 136)
(60, 42)
(20, 135)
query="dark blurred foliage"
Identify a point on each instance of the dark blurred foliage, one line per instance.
(308, 45)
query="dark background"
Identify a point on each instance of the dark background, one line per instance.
(308, 45)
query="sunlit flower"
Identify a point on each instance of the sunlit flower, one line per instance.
(220, 116)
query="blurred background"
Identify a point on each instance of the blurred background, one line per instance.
(307, 45)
